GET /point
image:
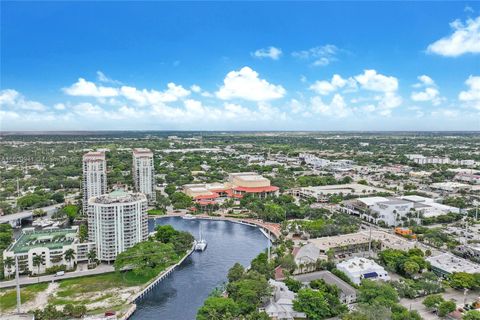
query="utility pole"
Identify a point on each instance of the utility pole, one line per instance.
(268, 241)
(19, 302)
(370, 243)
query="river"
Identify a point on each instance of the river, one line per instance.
(179, 296)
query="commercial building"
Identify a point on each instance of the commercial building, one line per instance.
(117, 221)
(144, 173)
(360, 242)
(348, 294)
(447, 263)
(420, 159)
(450, 186)
(468, 177)
(358, 269)
(94, 176)
(392, 210)
(238, 185)
(323, 193)
(50, 244)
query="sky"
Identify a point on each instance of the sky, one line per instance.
(240, 66)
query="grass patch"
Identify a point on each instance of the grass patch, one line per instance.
(76, 286)
(156, 212)
(8, 300)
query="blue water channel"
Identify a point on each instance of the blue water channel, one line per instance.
(179, 296)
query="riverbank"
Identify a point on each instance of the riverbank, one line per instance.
(271, 228)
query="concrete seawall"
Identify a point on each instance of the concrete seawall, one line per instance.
(139, 295)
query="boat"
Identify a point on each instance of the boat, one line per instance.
(188, 217)
(201, 244)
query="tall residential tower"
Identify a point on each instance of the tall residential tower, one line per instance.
(117, 221)
(94, 176)
(144, 173)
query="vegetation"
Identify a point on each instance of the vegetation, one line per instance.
(150, 257)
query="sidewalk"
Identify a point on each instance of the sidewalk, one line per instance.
(102, 268)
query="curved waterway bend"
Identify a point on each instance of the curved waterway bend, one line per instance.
(179, 296)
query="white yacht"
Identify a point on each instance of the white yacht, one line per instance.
(188, 216)
(201, 244)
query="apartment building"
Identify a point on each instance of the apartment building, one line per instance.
(143, 172)
(50, 244)
(94, 176)
(117, 221)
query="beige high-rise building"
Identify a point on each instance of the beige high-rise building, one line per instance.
(94, 176)
(143, 173)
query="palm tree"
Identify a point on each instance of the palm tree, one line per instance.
(69, 255)
(38, 260)
(91, 255)
(8, 263)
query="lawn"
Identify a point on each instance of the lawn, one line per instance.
(8, 300)
(71, 287)
(156, 212)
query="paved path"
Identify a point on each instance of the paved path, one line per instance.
(103, 268)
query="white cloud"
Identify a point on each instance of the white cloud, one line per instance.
(321, 55)
(270, 52)
(337, 106)
(102, 77)
(429, 93)
(464, 39)
(472, 95)
(13, 99)
(149, 97)
(196, 88)
(86, 88)
(245, 84)
(326, 87)
(373, 81)
(59, 106)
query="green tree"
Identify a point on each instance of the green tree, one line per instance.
(433, 301)
(411, 267)
(236, 272)
(379, 292)
(313, 303)
(261, 264)
(37, 261)
(293, 284)
(218, 308)
(83, 232)
(472, 315)
(461, 280)
(9, 262)
(91, 256)
(147, 258)
(446, 307)
(69, 255)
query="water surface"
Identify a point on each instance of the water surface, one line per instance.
(179, 296)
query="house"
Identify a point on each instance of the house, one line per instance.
(280, 306)
(358, 269)
(348, 294)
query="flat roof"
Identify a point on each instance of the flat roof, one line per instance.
(451, 263)
(51, 239)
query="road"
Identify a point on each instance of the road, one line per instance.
(28, 213)
(102, 268)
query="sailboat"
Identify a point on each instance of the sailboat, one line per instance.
(201, 244)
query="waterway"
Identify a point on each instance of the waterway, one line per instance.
(179, 296)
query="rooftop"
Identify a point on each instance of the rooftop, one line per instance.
(117, 196)
(94, 156)
(52, 239)
(451, 263)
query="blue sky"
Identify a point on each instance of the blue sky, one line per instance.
(240, 66)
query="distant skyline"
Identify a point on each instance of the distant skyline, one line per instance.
(322, 66)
